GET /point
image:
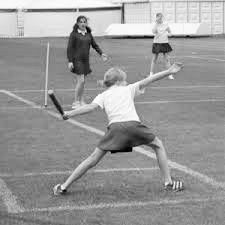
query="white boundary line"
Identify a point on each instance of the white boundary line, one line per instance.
(136, 103)
(200, 176)
(112, 170)
(124, 204)
(203, 178)
(9, 199)
(198, 57)
(182, 101)
(101, 89)
(198, 46)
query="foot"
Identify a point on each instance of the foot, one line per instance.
(75, 104)
(175, 185)
(57, 190)
(171, 77)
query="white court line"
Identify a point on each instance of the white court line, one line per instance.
(182, 101)
(193, 173)
(159, 202)
(138, 103)
(9, 199)
(100, 89)
(51, 173)
(198, 57)
(199, 46)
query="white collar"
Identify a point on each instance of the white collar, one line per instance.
(83, 32)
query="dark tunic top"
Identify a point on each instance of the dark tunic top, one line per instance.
(78, 49)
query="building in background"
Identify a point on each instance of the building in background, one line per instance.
(211, 12)
(46, 18)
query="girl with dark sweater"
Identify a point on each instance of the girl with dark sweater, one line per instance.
(78, 49)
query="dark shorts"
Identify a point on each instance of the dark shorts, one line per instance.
(161, 48)
(123, 136)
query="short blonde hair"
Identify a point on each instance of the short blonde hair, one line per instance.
(113, 75)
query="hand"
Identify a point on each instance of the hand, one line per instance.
(70, 66)
(176, 67)
(66, 115)
(100, 83)
(104, 57)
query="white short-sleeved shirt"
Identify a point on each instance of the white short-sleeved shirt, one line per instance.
(118, 102)
(162, 33)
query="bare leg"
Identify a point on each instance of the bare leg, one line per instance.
(167, 64)
(79, 89)
(160, 151)
(153, 63)
(87, 164)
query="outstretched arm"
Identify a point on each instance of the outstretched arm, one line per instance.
(95, 46)
(81, 110)
(176, 67)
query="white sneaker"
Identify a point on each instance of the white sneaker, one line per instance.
(171, 77)
(76, 105)
(57, 190)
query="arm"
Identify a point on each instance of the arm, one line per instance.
(176, 67)
(70, 48)
(95, 46)
(154, 29)
(81, 110)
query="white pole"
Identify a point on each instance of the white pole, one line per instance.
(46, 76)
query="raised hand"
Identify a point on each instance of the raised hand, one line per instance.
(104, 57)
(176, 67)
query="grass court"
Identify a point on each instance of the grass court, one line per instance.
(38, 149)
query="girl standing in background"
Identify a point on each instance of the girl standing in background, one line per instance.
(161, 44)
(78, 50)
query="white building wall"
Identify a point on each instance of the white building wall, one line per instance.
(9, 18)
(217, 17)
(155, 7)
(132, 10)
(211, 12)
(181, 12)
(41, 24)
(193, 12)
(169, 12)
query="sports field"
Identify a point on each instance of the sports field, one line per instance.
(38, 149)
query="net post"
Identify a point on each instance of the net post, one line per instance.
(46, 76)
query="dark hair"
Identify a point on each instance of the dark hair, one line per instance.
(79, 18)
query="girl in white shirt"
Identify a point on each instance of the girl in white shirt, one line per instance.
(125, 129)
(161, 44)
